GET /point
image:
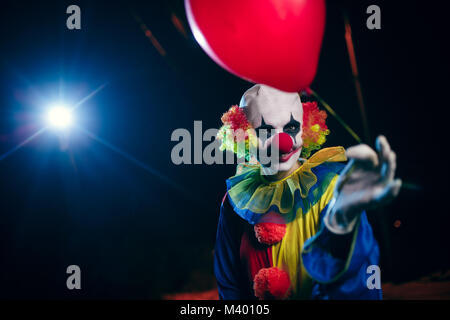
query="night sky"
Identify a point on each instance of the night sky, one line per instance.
(114, 203)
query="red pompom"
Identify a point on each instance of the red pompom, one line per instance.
(271, 283)
(269, 233)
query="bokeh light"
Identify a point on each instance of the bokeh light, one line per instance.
(60, 117)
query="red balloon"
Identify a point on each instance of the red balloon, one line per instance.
(274, 42)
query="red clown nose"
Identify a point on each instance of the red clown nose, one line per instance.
(283, 142)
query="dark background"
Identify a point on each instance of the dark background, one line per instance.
(133, 234)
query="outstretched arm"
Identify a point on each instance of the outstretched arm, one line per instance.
(338, 257)
(366, 182)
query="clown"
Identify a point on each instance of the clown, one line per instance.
(295, 227)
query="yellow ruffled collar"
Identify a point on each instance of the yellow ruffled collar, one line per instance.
(251, 195)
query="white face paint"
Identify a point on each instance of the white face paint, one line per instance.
(275, 111)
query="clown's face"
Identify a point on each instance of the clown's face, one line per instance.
(271, 112)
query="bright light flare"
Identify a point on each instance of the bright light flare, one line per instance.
(60, 117)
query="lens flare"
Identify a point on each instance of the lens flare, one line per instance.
(60, 117)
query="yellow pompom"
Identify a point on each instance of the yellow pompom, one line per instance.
(321, 140)
(315, 128)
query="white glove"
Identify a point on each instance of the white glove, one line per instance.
(366, 182)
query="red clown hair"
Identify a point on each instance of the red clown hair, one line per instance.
(236, 118)
(271, 283)
(314, 128)
(236, 129)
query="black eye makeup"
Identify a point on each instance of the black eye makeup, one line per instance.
(264, 129)
(292, 127)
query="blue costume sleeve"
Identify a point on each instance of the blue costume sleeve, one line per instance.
(338, 263)
(227, 266)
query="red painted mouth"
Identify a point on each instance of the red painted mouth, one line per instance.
(286, 156)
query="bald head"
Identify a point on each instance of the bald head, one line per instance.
(272, 105)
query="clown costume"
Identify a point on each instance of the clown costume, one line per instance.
(295, 227)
